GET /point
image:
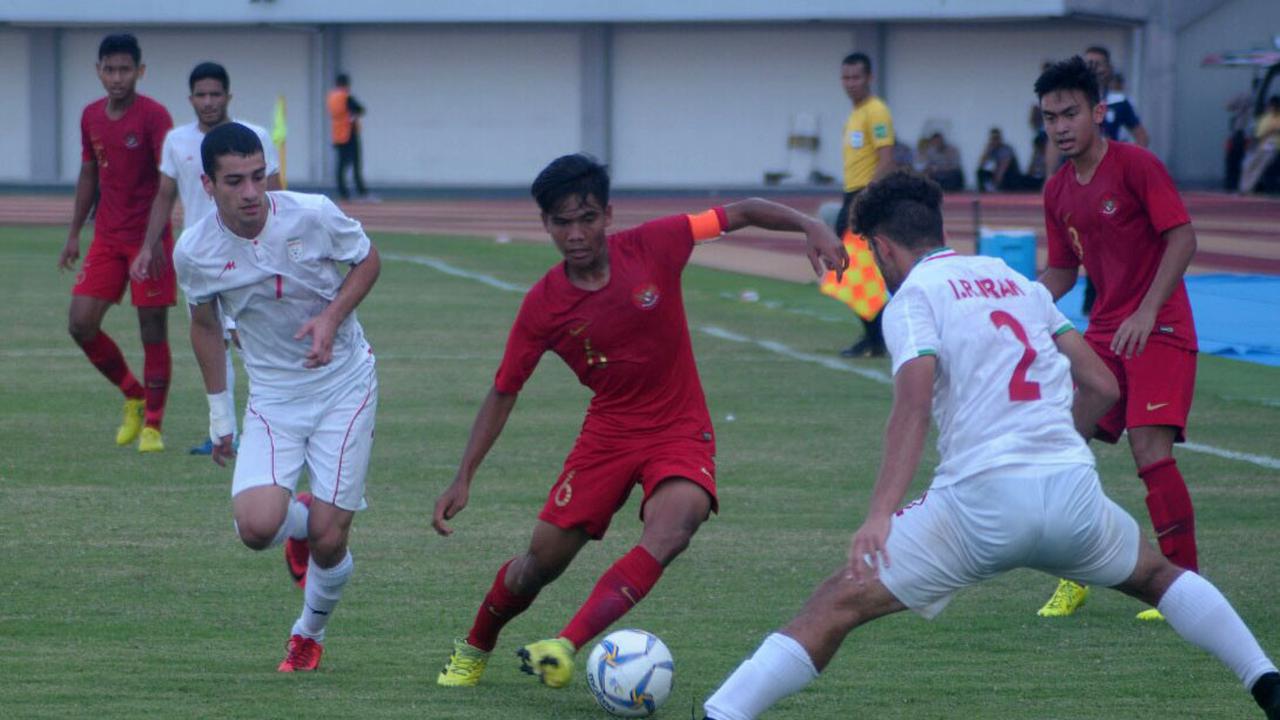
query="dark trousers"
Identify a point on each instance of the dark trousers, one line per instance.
(349, 155)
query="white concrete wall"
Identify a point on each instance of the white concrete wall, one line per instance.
(1201, 122)
(261, 64)
(979, 76)
(709, 106)
(15, 141)
(464, 106)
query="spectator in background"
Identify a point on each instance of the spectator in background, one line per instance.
(1266, 144)
(1240, 109)
(939, 160)
(1120, 113)
(998, 167)
(344, 116)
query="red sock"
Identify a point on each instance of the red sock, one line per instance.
(106, 356)
(156, 367)
(500, 607)
(617, 591)
(1171, 512)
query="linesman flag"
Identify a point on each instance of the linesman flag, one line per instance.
(862, 288)
(278, 134)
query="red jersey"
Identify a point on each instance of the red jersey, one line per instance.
(128, 155)
(1113, 226)
(628, 341)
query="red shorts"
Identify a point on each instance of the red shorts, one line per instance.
(599, 474)
(105, 273)
(1155, 388)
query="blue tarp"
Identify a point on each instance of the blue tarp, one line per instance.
(1237, 316)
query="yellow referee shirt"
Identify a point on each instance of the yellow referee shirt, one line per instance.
(869, 128)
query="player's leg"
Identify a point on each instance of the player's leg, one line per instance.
(100, 283)
(357, 171)
(269, 460)
(338, 448)
(344, 159)
(514, 588)
(1198, 612)
(157, 368)
(790, 659)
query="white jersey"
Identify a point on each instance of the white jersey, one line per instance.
(1003, 392)
(180, 160)
(271, 285)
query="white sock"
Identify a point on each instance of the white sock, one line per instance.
(1203, 617)
(231, 392)
(779, 668)
(324, 589)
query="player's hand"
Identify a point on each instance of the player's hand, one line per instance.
(1131, 337)
(70, 253)
(826, 252)
(222, 452)
(321, 329)
(867, 552)
(450, 503)
(147, 265)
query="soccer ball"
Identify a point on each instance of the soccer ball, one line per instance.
(630, 673)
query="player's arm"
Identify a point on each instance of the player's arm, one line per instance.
(825, 250)
(323, 327)
(884, 163)
(1058, 280)
(86, 191)
(488, 425)
(1140, 135)
(1059, 275)
(209, 349)
(1180, 246)
(904, 437)
(149, 262)
(1096, 387)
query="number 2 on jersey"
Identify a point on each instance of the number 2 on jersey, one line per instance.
(1020, 388)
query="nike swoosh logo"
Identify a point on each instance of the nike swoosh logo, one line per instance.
(1152, 407)
(578, 330)
(707, 473)
(626, 591)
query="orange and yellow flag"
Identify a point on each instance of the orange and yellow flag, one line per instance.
(862, 288)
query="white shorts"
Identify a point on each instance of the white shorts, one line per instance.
(1055, 519)
(330, 433)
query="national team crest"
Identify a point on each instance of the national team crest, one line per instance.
(646, 296)
(131, 141)
(1108, 207)
(295, 248)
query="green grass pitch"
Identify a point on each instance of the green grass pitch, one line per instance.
(125, 594)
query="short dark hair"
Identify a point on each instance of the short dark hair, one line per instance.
(857, 58)
(209, 71)
(1071, 74)
(1099, 50)
(342, 80)
(1274, 102)
(568, 175)
(228, 139)
(904, 206)
(120, 43)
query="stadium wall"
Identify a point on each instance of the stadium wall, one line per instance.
(15, 141)
(487, 105)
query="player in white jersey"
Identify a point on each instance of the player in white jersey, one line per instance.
(1016, 486)
(269, 260)
(180, 172)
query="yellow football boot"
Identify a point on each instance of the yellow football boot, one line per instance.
(551, 660)
(132, 423)
(1151, 615)
(151, 441)
(465, 666)
(1068, 598)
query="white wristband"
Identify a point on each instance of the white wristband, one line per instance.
(221, 422)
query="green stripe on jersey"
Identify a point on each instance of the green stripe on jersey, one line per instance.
(1068, 327)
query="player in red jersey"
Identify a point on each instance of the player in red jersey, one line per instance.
(121, 136)
(1114, 209)
(613, 311)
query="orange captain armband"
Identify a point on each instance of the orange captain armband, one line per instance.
(708, 224)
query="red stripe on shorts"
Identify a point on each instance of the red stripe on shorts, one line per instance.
(271, 440)
(337, 481)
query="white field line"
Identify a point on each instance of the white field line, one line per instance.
(778, 348)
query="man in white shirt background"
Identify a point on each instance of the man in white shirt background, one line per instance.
(180, 172)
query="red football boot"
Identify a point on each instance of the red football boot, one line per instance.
(304, 655)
